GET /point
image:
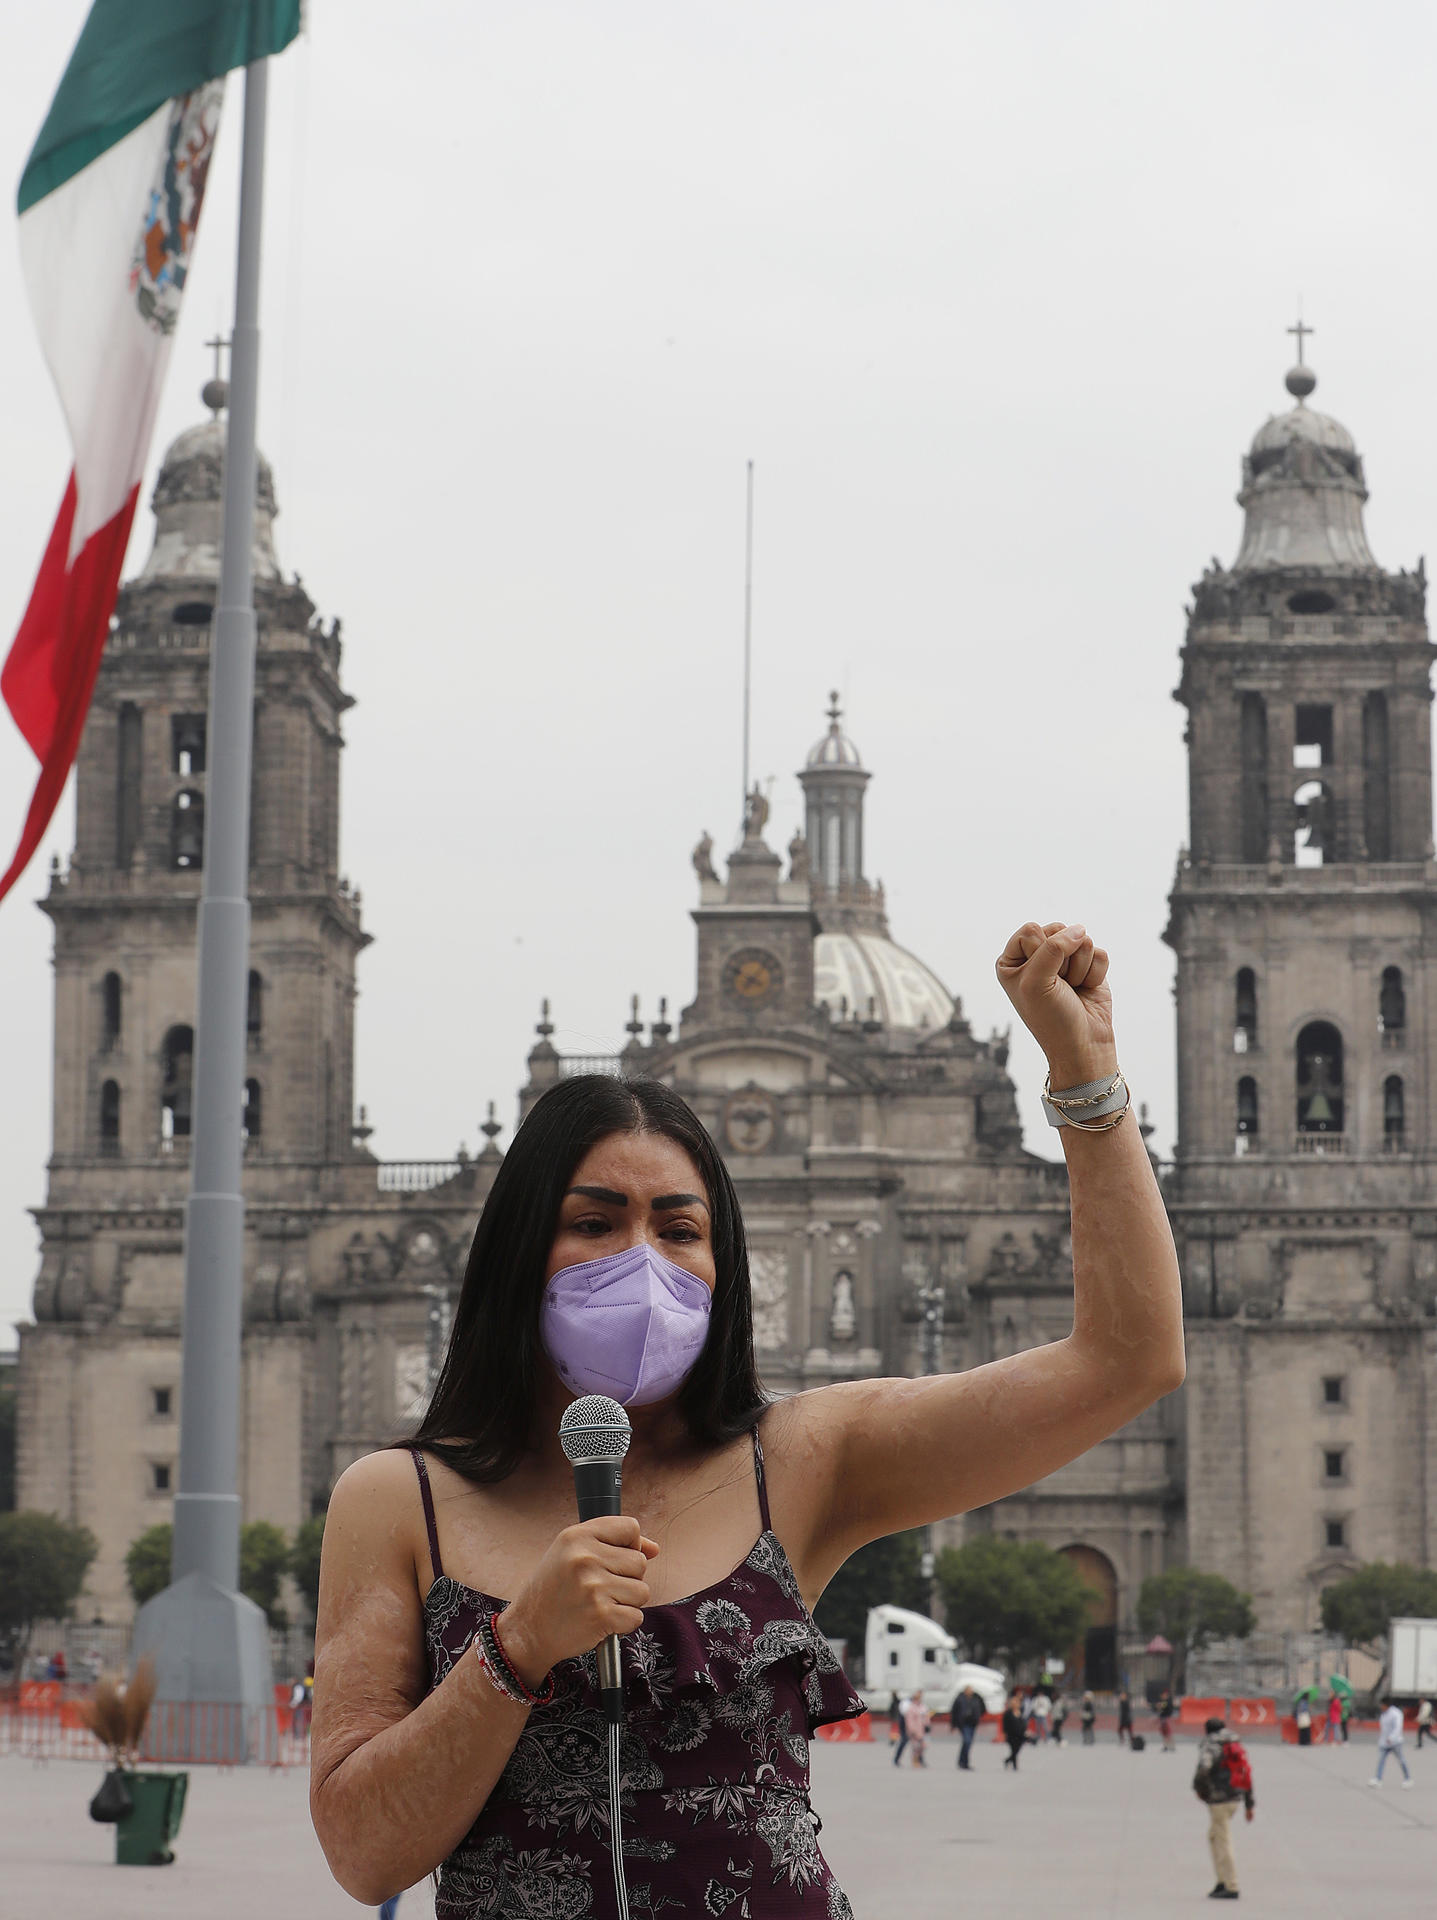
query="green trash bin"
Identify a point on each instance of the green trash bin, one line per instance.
(143, 1840)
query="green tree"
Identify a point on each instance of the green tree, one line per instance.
(304, 1561)
(43, 1563)
(1361, 1606)
(1009, 1601)
(1190, 1609)
(887, 1572)
(147, 1563)
(263, 1563)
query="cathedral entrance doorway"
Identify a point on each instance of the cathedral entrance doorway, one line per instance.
(1093, 1660)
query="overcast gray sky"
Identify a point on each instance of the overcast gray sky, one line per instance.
(995, 297)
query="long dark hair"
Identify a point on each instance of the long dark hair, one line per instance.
(481, 1416)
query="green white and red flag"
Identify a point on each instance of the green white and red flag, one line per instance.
(109, 205)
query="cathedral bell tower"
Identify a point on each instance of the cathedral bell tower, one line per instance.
(99, 1372)
(1301, 916)
(125, 912)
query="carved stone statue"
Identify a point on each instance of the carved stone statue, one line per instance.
(755, 814)
(703, 858)
(843, 1316)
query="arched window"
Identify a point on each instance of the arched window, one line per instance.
(254, 1009)
(1319, 1079)
(111, 1009)
(178, 1061)
(250, 1119)
(1394, 1113)
(187, 831)
(187, 741)
(110, 1119)
(1244, 1033)
(1312, 837)
(1392, 1007)
(1247, 1128)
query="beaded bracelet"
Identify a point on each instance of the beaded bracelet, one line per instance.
(489, 1651)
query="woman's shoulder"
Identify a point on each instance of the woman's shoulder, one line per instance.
(378, 1489)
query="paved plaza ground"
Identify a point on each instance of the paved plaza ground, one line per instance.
(1080, 1832)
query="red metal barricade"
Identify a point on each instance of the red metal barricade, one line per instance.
(41, 1728)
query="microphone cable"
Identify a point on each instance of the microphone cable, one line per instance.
(621, 1891)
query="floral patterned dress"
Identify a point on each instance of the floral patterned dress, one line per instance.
(722, 1690)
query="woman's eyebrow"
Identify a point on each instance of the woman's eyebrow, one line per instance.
(670, 1202)
(606, 1194)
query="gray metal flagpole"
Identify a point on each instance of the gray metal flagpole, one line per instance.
(209, 1643)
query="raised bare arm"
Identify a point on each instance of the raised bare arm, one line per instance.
(870, 1457)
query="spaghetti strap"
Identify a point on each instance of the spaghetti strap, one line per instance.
(758, 1475)
(428, 1496)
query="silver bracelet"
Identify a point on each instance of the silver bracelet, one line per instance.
(1096, 1107)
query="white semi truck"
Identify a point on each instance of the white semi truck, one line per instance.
(1412, 1668)
(905, 1651)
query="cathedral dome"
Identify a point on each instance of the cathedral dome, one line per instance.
(1303, 491)
(835, 749)
(187, 507)
(861, 967)
(1303, 423)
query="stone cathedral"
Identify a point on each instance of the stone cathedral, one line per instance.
(897, 1222)
(1303, 917)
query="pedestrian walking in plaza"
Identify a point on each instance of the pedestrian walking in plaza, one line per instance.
(1060, 1714)
(1389, 1741)
(1040, 1708)
(915, 1724)
(901, 1723)
(1302, 1718)
(1334, 1728)
(967, 1717)
(1015, 1729)
(1089, 1718)
(1424, 1723)
(1223, 1778)
(1346, 1714)
(1125, 1717)
(1165, 1720)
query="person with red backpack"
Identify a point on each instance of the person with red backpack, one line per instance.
(1223, 1778)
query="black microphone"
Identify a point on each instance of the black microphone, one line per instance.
(595, 1435)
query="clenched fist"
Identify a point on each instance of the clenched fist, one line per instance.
(1058, 981)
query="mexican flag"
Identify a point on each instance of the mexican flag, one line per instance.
(109, 203)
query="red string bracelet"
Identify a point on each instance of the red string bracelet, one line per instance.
(503, 1667)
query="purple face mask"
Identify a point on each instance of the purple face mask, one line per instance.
(630, 1325)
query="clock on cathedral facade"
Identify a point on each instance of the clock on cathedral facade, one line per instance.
(753, 977)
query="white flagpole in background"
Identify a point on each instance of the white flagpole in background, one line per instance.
(209, 1643)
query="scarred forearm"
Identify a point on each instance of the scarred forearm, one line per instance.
(1127, 1292)
(389, 1808)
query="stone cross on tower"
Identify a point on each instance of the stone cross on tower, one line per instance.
(1302, 332)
